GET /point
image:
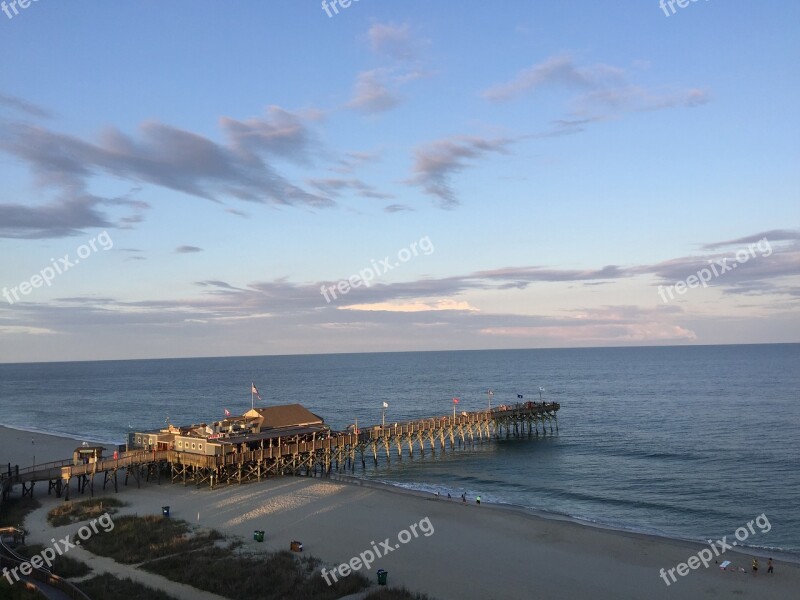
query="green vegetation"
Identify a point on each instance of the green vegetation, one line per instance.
(16, 592)
(215, 565)
(137, 539)
(63, 565)
(14, 510)
(72, 512)
(108, 587)
(395, 594)
(272, 576)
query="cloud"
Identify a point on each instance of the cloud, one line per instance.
(23, 106)
(773, 235)
(437, 161)
(372, 94)
(602, 89)
(336, 187)
(162, 155)
(393, 208)
(557, 70)
(281, 134)
(391, 40)
(187, 249)
(412, 306)
(63, 218)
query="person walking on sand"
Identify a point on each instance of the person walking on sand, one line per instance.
(464, 498)
(755, 567)
(769, 567)
(478, 500)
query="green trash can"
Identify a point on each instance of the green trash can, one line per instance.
(382, 576)
(258, 535)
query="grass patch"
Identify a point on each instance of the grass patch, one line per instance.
(395, 594)
(63, 565)
(72, 512)
(14, 510)
(273, 576)
(16, 592)
(108, 587)
(137, 539)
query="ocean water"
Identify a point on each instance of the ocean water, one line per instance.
(685, 442)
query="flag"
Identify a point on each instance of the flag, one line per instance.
(519, 396)
(254, 390)
(385, 405)
(227, 413)
(490, 392)
(455, 400)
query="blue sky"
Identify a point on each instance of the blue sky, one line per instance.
(557, 163)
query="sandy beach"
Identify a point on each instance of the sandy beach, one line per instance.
(459, 551)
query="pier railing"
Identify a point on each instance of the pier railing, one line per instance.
(333, 445)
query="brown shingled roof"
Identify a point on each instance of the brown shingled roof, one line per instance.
(288, 415)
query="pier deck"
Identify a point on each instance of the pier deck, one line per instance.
(336, 450)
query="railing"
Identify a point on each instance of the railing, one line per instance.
(65, 469)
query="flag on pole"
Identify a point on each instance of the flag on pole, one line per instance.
(254, 390)
(455, 400)
(227, 413)
(490, 392)
(385, 405)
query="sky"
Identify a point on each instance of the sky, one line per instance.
(284, 177)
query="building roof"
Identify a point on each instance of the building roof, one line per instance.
(288, 415)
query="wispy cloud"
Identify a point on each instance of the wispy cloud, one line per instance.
(23, 106)
(391, 40)
(187, 249)
(600, 89)
(437, 161)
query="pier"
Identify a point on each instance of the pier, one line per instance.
(256, 457)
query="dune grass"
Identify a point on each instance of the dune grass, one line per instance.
(14, 510)
(72, 512)
(274, 576)
(16, 592)
(395, 594)
(108, 587)
(63, 565)
(137, 539)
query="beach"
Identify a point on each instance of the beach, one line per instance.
(441, 547)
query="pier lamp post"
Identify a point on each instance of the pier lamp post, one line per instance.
(541, 389)
(383, 415)
(489, 394)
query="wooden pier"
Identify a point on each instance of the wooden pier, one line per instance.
(334, 451)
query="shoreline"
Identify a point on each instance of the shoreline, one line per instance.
(486, 551)
(534, 514)
(45, 440)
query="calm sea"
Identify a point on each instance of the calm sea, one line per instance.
(686, 442)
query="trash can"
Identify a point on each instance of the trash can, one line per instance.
(165, 511)
(258, 535)
(382, 576)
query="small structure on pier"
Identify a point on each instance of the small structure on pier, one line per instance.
(87, 455)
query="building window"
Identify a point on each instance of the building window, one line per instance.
(180, 444)
(199, 446)
(192, 445)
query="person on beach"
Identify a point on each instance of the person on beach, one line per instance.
(449, 496)
(464, 498)
(755, 567)
(769, 566)
(478, 500)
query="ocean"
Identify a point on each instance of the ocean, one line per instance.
(689, 442)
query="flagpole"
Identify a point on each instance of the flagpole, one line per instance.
(252, 398)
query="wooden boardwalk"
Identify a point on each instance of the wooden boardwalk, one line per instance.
(337, 450)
